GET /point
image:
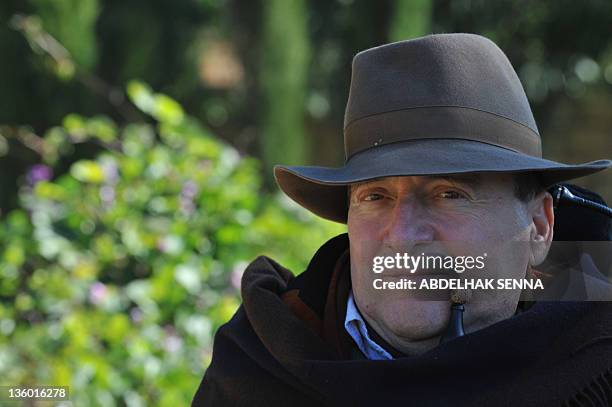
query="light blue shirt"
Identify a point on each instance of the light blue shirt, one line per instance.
(356, 327)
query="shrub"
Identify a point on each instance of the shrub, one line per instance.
(115, 275)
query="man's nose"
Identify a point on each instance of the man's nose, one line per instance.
(409, 222)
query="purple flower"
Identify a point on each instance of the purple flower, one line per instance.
(187, 206)
(107, 194)
(189, 190)
(97, 293)
(111, 172)
(39, 172)
(236, 274)
(173, 343)
(172, 340)
(136, 314)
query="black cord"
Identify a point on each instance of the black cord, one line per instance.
(562, 194)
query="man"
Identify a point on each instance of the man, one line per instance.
(441, 150)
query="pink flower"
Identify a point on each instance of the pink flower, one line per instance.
(97, 293)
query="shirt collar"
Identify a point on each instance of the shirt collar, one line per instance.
(356, 328)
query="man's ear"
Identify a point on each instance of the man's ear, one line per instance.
(542, 224)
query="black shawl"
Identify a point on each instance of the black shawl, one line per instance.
(285, 346)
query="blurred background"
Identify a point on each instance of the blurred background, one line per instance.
(137, 140)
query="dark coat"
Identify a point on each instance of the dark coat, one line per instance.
(286, 346)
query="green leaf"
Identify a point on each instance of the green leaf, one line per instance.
(87, 171)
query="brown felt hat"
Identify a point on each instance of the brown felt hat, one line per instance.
(440, 104)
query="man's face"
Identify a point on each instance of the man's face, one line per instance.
(427, 214)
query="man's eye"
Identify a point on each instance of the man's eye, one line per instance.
(451, 195)
(372, 197)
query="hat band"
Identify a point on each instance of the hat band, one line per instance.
(440, 122)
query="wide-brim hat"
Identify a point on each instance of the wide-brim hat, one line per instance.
(436, 105)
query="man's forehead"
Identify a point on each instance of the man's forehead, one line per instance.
(472, 179)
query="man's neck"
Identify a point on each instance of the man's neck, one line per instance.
(395, 346)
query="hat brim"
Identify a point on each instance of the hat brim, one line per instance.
(323, 190)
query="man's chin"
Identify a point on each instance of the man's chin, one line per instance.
(422, 320)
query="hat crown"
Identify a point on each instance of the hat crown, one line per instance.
(466, 71)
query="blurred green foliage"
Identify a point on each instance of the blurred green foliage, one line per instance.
(115, 275)
(76, 34)
(283, 78)
(272, 77)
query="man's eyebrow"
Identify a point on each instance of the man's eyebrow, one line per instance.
(370, 181)
(472, 180)
(355, 185)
